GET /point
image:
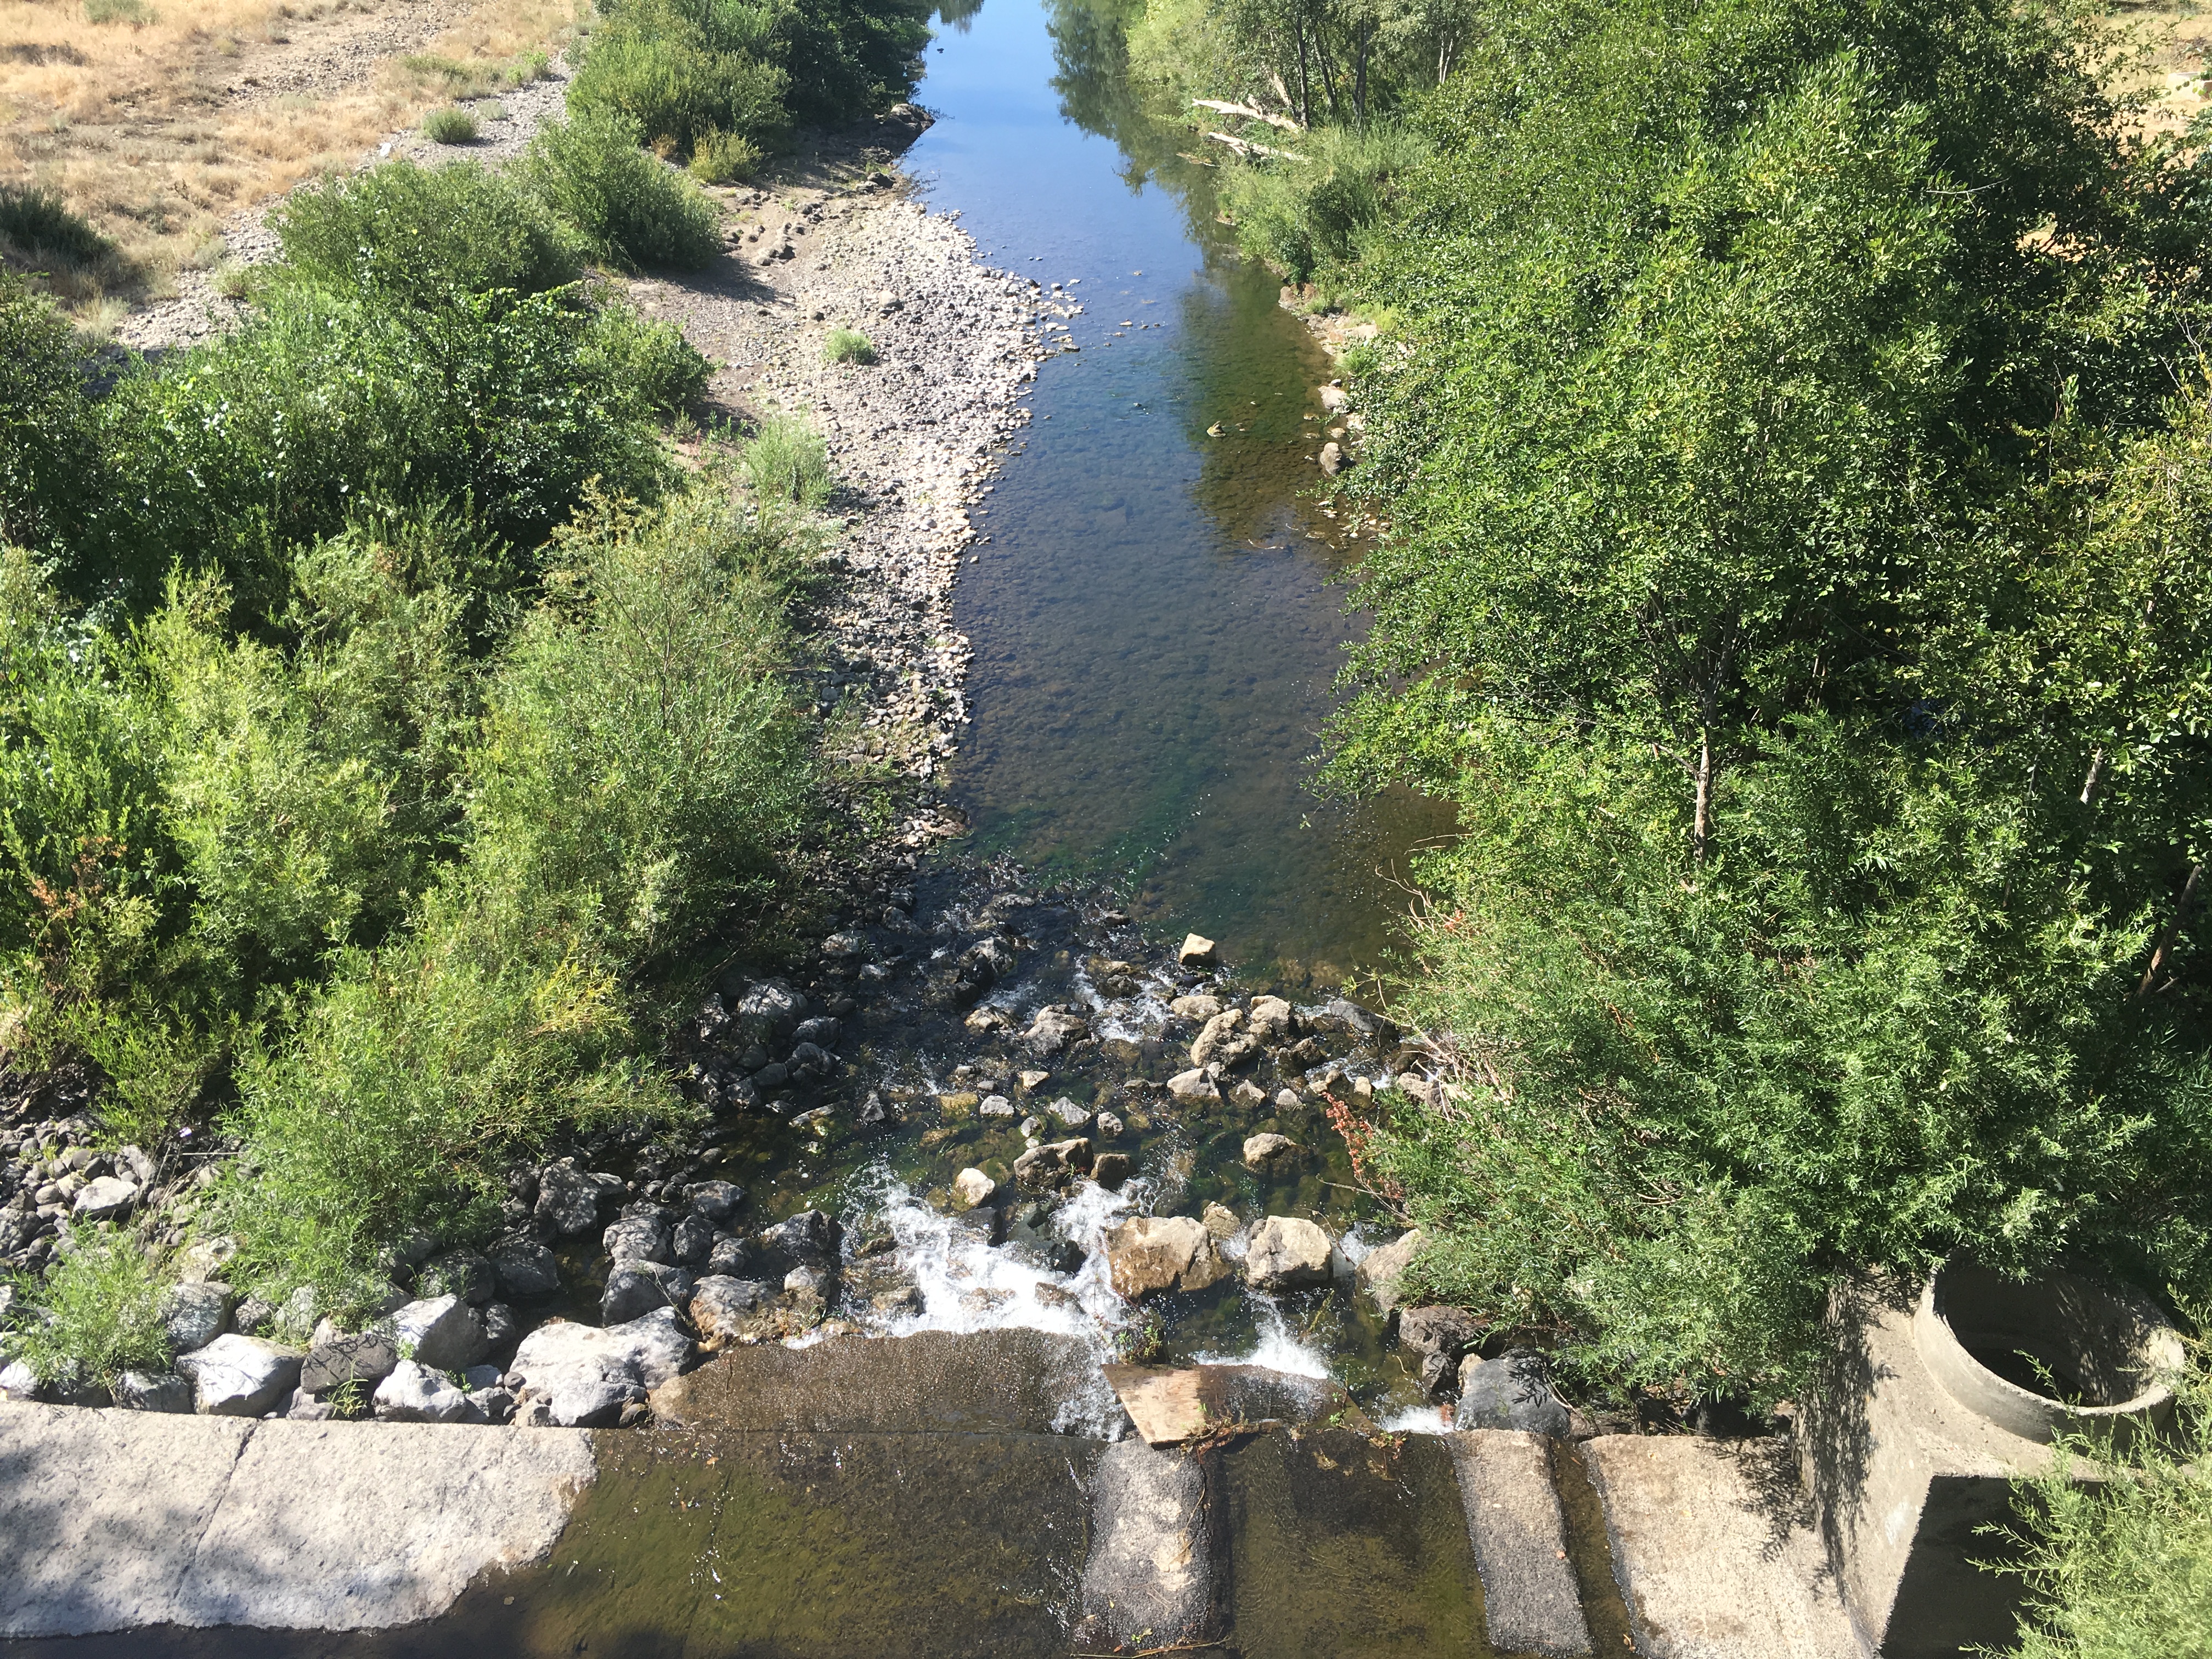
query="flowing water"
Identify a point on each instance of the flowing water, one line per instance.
(1157, 623)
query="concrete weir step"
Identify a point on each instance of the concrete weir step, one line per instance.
(924, 1496)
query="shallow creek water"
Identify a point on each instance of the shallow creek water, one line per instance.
(1154, 622)
(1156, 629)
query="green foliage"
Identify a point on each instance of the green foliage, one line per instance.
(271, 436)
(38, 226)
(785, 460)
(848, 345)
(418, 236)
(137, 13)
(48, 447)
(651, 358)
(2119, 1566)
(451, 126)
(680, 72)
(726, 158)
(96, 1313)
(641, 775)
(1307, 214)
(1800, 586)
(631, 209)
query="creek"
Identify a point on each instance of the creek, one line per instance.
(1156, 625)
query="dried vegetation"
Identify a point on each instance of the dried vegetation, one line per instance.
(156, 125)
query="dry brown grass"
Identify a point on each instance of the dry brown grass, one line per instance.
(157, 131)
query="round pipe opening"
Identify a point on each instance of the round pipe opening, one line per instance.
(2063, 1353)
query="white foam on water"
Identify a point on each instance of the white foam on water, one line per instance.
(967, 1285)
(1280, 1346)
(1416, 1420)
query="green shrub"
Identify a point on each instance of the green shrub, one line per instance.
(675, 72)
(725, 158)
(420, 235)
(641, 774)
(270, 436)
(50, 464)
(2121, 1567)
(1303, 217)
(632, 210)
(850, 57)
(651, 357)
(786, 461)
(38, 225)
(848, 345)
(450, 126)
(96, 1313)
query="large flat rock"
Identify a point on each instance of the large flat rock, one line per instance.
(1531, 1601)
(1713, 1550)
(1009, 1381)
(786, 1545)
(113, 1520)
(1169, 1406)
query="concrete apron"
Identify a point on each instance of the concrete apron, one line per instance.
(906, 1498)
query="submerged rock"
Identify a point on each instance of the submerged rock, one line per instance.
(1270, 1153)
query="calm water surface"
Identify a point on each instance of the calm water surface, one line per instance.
(1156, 631)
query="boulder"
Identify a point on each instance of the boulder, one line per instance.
(103, 1197)
(416, 1394)
(729, 1256)
(1050, 1164)
(971, 1187)
(811, 1237)
(503, 1329)
(770, 1011)
(1380, 1270)
(1223, 1040)
(153, 1391)
(1434, 1337)
(1193, 1088)
(1286, 1253)
(1074, 1116)
(368, 1359)
(995, 1106)
(204, 1259)
(1110, 1170)
(1271, 1154)
(1152, 1253)
(457, 1272)
(1196, 951)
(1513, 1391)
(195, 1314)
(568, 1201)
(721, 1308)
(441, 1331)
(525, 1268)
(638, 1238)
(634, 1288)
(1052, 1030)
(1250, 1095)
(1271, 1020)
(821, 1031)
(690, 1239)
(1220, 1220)
(1197, 1006)
(717, 1200)
(583, 1376)
(1332, 458)
(240, 1376)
